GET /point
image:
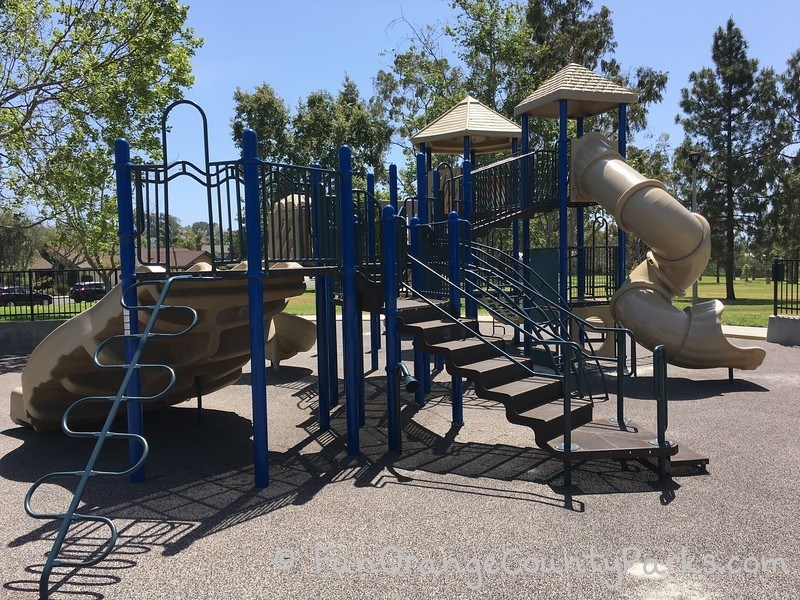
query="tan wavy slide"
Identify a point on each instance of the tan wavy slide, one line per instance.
(681, 246)
(60, 370)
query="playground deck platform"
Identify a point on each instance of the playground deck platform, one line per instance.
(462, 513)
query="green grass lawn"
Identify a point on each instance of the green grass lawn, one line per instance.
(305, 305)
(752, 307)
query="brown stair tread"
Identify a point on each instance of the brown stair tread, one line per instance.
(551, 410)
(489, 364)
(433, 323)
(603, 438)
(686, 457)
(521, 386)
(411, 304)
(471, 342)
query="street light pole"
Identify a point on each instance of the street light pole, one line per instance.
(694, 159)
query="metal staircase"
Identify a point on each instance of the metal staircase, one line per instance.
(126, 393)
(545, 382)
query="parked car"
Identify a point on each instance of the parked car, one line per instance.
(17, 295)
(87, 291)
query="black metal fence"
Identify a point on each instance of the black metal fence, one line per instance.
(38, 295)
(786, 286)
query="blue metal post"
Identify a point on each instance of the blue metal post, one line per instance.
(360, 365)
(438, 207)
(622, 240)
(393, 187)
(392, 338)
(350, 317)
(562, 206)
(525, 187)
(127, 251)
(422, 190)
(515, 233)
(374, 316)
(333, 346)
(422, 213)
(420, 359)
(323, 386)
(622, 237)
(454, 274)
(255, 295)
(466, 177)
(581, 234)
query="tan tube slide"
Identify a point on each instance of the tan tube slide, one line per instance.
(681, 246)
(60, 370)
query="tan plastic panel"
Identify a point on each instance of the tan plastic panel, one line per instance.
(60, 370)
(681, 247)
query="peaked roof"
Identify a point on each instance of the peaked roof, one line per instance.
(586, 93)
(488, 130)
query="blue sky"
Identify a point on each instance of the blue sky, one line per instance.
(305, 45)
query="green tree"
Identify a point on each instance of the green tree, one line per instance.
(20, 239)
(263, 111)
(731, 113)
(500, 51)
(781, 237)
(321, 124)
(76, 75)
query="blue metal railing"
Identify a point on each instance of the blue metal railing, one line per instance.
(509, 186)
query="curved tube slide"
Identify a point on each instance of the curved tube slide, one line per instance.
(60, 370)
(681, 246)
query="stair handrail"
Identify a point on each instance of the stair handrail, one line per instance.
(454, 319)
(560, 304)
(512, 307)
(71, 515)
(477, 270)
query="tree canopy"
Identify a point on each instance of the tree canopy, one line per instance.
(735, 115)
(500, 52)
(75, 75)
(313, 134)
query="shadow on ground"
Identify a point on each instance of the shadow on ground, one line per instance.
(200, 476)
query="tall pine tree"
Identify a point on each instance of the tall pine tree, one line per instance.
(729, 115)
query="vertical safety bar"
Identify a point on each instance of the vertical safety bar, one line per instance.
(526, 190)
(255, 295)
(393, 186)
(320, 296)
(466, 176)
(127, 251)
(568, 446)
(374, 315)
(660, 392)
(424, 218)
(420, 364)
(622, 236)
(454, 273)
(349, 308)
(390, 320)
(622, 352)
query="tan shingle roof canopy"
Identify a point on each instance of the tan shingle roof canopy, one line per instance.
(586, 93)
(488, 130)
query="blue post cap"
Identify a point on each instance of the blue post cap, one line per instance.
(388, 212)
(249, 143)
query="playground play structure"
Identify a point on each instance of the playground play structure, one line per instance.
(424, 262)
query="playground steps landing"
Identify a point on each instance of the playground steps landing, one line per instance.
(531, 401)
